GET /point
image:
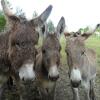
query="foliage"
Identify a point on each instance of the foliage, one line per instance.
(98, 29)
(35, 14)
(82, 30)
(50, 25)
(20, 13)
(2, 21)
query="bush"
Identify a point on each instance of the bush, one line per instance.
(2, 22)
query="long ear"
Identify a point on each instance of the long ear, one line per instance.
(10, 17)
(88, 34)
(39, 21)
(60, 27)
(44, 30)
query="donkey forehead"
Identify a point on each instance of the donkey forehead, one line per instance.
(51, 39)
(75, 41)
(75, 44)
(24, 26)
(51, 42)
(25, 32)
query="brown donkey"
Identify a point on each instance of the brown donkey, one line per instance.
(17, 46)
(82, 64)
(48, 61)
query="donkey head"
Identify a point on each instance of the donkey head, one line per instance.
(51, 51)
(22, 40)
(76, 52)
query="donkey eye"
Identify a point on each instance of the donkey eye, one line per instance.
(23, 44)
(67, 54)
(44, 51)
(83, 52)
(17, 44)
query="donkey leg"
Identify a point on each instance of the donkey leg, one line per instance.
(92, 92)
(1, 91)
(17, 81)
(52, 93)
(3, 86)
(10, 83)
(19, 89)
(86, 85)
(46, 94)
(75, 94)
(43, 94)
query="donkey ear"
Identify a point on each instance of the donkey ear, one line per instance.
(60, 26)
(44, 30)
(86, 35)
(10, 17)
(39, 21)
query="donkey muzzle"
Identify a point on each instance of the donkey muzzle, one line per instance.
(26, 72)
(53, 73)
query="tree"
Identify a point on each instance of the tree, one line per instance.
(50, 25)
(2, 21)
(35, 14)
(83, 30)
(86, 29)
(20, 13)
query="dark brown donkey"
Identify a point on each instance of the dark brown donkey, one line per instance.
(48, 61)
(17, 46)
(82, 64)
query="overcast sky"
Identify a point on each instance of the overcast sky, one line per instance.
(77, 13)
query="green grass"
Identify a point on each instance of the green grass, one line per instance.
(94, 42)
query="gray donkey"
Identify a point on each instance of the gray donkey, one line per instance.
(82, 64)
(48, 62)
(17, 46)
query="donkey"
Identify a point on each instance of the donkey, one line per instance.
(82, 64)
(17, 46)
(48, 61)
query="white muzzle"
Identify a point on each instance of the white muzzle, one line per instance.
(75, 75)
(53, 71)
(26, 72)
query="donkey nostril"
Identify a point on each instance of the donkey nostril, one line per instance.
(23, 79)
(53, 78)
(80, 81)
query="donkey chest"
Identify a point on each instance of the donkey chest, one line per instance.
(47, 84)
